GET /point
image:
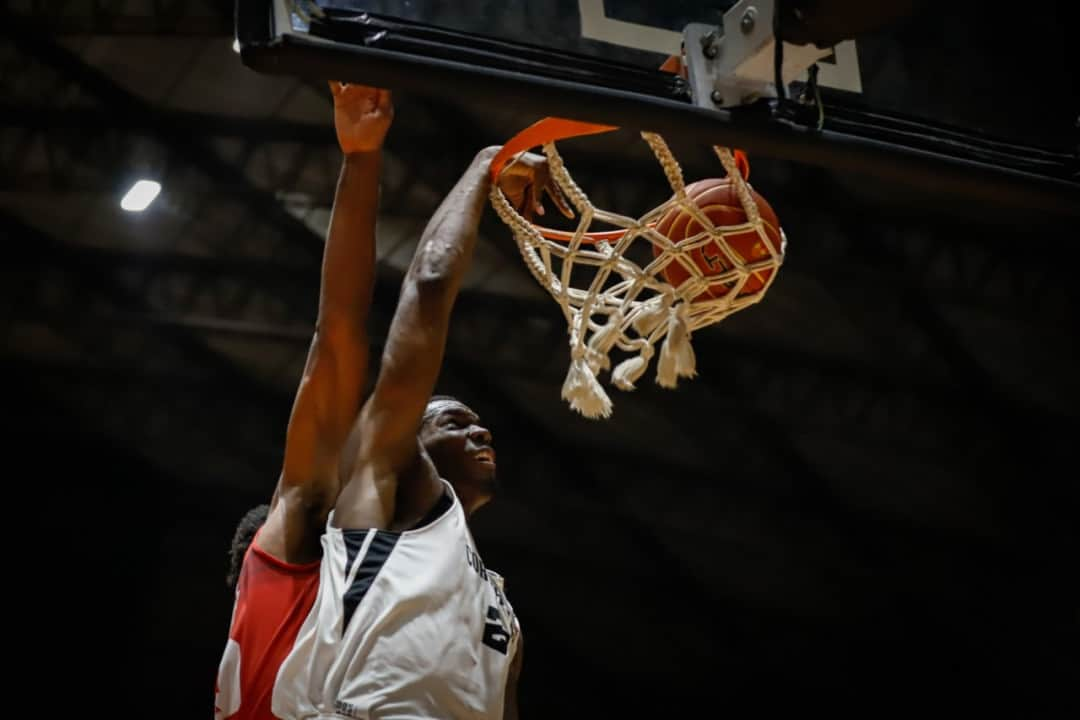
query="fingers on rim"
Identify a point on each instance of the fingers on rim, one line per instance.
(536, 197)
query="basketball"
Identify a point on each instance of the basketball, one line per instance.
(719, 202)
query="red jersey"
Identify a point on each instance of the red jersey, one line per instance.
(273, 598)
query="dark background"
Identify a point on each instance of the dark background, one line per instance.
(865, 501)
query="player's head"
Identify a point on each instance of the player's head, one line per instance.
(245, 533)
(461, 449)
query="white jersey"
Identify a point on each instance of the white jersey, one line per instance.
(405, 625)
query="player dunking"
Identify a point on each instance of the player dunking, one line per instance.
(408, 622)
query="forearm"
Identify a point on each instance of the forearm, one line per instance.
(348, 270)
(444, 251)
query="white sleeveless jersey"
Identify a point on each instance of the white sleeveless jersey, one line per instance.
(405, 625)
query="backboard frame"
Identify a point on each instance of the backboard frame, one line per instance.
(269, 45)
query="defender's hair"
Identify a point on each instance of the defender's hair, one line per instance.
(249, 524)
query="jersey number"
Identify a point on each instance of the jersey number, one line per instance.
(496, 636)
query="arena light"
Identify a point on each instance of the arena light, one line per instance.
(141, 194)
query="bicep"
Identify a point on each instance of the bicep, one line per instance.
(409, 369)
(327, 402)
(384, 445)
(325, 407)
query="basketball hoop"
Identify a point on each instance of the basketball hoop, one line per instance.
(716, 246)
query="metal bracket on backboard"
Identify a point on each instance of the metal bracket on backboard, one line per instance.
(734, 64)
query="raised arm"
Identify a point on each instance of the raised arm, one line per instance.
(384, 444)
(329, 395)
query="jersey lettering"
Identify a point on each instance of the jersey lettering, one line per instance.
(474, 561)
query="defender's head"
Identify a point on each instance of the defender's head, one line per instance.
(245, 532)
(461, 449)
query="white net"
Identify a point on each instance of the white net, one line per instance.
(610, 301)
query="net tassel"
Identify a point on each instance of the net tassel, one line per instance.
(628, 371)
(676, 355)
(583, 392)
(601, 341)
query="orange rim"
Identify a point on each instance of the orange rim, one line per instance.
(552, 129)
(542, 132)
